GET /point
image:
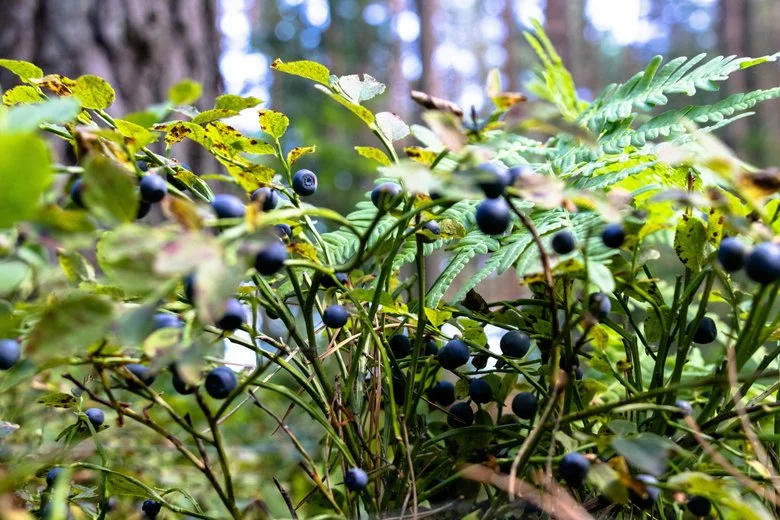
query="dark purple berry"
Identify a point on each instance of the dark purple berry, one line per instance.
(493, 217)
(524, 405)
(267, 197)
(515, 344)
(454, 354)
(220, 382)
(460, 415)
(731, 254)
(335, 317)
(153, 188)
(233, 317)
(304, 183)
(563, 242)
(270, 259)
(228, 206)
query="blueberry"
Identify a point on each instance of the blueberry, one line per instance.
(220, 382)
(355, 479)
(283, 230)
(77, 192)
(563, 242)
(685, 409)
(699, 506)
(763, 263)
(492, 178)
(304, 182)
(706, 332)
(95, 416)
(329, 282)
(516, 172)
(386, 196)
(442, 393)
(731, 254)
(181, 386)
(613, 235)
(479, 361)
(453, 354)
(650, 494)
(579, 374)
(400, 345)
(524, 405)
(270, 259)
(228, 206)
(515, 344)
(143, 209)
(164, 320)
(431, 347)
(151, 508)
(52, 476)
(142, 165)
(233, 317)
(433, 228)
(153, 188)
(480, 391)
(271, 314)
(574, 468)
(142, 372)
(189, 288)
(335, 316)
(267, 197)
(10, 352)
(460, 414)
(599, 305)
(493, 216)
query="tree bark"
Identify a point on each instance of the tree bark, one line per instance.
(733, 15)
(141, 47)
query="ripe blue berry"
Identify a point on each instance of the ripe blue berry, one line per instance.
(699, 506)
(153, 188)
(220, 382)
(480, 391)
(706, 332)
(143, 209)
(151, 508)
(599, 305)
(731, 254)
(613, 235)
(329, 282)
(574, 468)
(335, 317)
(515, 344)
(386, 196)
(283, 230)
(649, 496)
(10, 352)
(563, 242)
(442, 393)
(76, 192)
(181, 386)
(492, 178)
(400, 345)
(355, 479)
(433, 228)
(164, 320)
(479, 361)
(267, 197)
(460, 415)
(52, 476)
(304, 183)
(189, 288)
(453, 354)
(95, 416)
(228, 206)
(493, 216)
(684, 407)
(270, 259)
(233, 317)
(516, 172)
(142, 372)
(762, 265)
(524, 405)
(431, 347)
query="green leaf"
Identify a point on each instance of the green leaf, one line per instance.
(24, 69)
(76, 268)
(185, 92)
(236, 103)
(391, 126)
(25, 172)
(73, 321)
(127, 256)
(305, 69)
(214, 114)
(437, 317)
(12, 275)
(109, 190)
(58, 400)
(600, 276)
(689, 240)
(26, 118)
(608, 482)
(646, 452)
(369, 152)
(21, 94)
(273, 123)
(136, 136)
(93, 92)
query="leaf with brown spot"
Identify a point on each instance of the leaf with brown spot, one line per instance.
(298, 152)
(369, 152)
(421, 155)
(274, 123)
(21, 94)
(59, 85)
(761, 184)
(305, 69)
(689, 240)
(213, 115)
(58, 400)
(184, 212)
(304, 250)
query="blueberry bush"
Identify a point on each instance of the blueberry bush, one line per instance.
(638, 376)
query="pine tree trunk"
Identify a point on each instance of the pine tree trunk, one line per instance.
(141, 47)
(735, 38)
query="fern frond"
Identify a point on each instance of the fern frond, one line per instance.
(473, 244)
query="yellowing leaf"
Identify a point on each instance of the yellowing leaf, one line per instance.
(136, 136)
(185, 92)
(305, 69)
(421, 155)
(299, 151)
(213, 115)
(362, 112)
(21, 94)
(689, 240)
(437, 317)
(109, 190)
(24, 69)
(237, 103)
(274, 123)
(369, 152)
(76, 268)
(93, 92)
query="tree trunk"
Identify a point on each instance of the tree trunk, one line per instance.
(141, 47)
(556, 27)
(735, 40)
